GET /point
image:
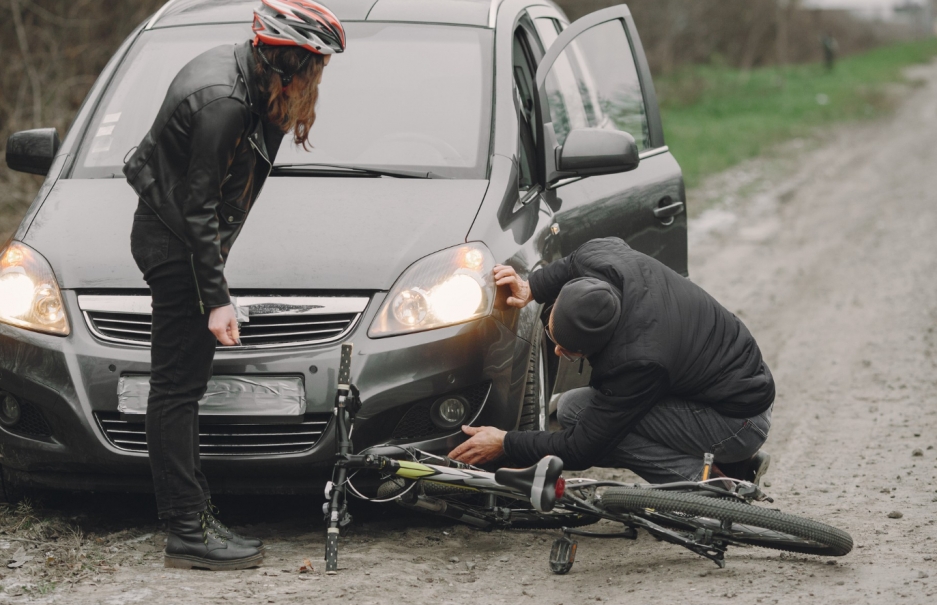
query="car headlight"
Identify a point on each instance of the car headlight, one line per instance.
(447, 288)
(29, 295)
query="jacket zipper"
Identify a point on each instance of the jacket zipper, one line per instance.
(269, 165)
(201, 305)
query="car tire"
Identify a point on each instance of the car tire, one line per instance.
(535, 412)
(10, 493)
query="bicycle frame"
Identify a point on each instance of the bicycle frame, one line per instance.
(459, 475)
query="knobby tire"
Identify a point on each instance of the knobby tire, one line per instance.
(827, 540)
(525, 518)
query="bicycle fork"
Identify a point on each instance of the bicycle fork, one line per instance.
(337, 507)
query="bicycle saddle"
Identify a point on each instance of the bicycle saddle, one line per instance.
(540, 483)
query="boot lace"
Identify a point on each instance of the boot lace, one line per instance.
(215, 522)
(209, 528)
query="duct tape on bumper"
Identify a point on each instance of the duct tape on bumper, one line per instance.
(271, 397)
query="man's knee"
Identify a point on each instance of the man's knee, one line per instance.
(570, 406)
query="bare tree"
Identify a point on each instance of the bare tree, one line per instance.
(53, 50)
(742, 33)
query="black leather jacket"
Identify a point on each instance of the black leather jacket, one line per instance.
(205, 160)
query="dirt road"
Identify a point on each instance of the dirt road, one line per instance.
(829, 254)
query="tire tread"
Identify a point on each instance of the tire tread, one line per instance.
(529, 411)
(837, 542)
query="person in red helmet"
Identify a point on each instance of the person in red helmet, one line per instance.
(197, 173)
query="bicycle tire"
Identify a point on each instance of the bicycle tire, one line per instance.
(524, 518)
(531, 519)
(521, 518)
(822, 539)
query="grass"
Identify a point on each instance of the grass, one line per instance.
(57, 551)
(715, 116)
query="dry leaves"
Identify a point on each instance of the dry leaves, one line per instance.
(19, 558)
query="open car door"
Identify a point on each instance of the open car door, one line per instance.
(588, 81)
(594, 95)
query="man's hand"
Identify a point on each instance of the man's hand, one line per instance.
(486, 444)
(223, 323)
(520, 290)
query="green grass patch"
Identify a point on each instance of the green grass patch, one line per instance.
(715, 116)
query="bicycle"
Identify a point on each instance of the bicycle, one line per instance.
(705, 517)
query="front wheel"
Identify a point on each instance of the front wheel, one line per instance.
(535, 411)
(471, 507)
(730, 521)
(10, 493)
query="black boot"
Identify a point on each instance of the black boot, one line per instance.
(751, 470)
(225, 532)
(194, 543)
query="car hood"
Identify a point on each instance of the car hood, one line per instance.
(302, 233)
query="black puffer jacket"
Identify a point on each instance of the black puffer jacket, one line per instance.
(672, 340)
(205, 159)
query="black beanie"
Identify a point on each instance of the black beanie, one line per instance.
(585, 315)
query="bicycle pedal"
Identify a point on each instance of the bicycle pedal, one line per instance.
(562, 555)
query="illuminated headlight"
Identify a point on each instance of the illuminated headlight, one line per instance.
(29, 295)
(447, 288)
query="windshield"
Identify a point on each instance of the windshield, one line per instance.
(403, 96)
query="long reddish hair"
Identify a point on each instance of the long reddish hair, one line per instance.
(293, 107)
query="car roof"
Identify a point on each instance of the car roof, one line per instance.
(456, 12)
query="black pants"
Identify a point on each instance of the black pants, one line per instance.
(182, 352)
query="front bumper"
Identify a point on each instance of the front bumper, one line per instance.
(68, 380)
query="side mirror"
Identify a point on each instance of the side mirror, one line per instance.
(594, 151)
(33, 151)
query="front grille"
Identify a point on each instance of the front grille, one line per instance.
(270, 321)
(31, 423)
(224, 439)
(417, 424)
(273, 330)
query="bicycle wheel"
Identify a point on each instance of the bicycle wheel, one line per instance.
(531, 519)
(732, 521)
(522, 515)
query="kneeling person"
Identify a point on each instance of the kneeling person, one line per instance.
(674, 374)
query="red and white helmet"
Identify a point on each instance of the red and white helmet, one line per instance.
(302, 23)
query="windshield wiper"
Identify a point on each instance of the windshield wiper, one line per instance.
(342, 170)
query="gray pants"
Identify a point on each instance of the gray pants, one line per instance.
(669, 442)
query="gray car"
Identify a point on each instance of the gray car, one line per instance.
(451, 136)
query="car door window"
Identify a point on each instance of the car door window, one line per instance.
(594, 84)
(524, 81)
(548, 29)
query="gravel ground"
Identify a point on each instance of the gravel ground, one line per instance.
(826, 251)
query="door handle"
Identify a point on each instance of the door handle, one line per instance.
(669, 211)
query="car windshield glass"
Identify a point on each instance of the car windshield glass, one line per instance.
(410, 97)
